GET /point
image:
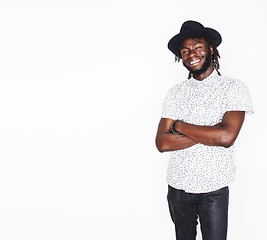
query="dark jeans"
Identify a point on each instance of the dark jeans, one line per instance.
(211, 208)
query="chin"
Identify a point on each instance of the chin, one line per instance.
(198, 70)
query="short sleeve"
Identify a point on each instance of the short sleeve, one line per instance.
(169, 109)
(238, 98)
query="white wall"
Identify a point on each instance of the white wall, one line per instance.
(81, 90)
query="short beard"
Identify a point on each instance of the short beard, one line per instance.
(205, 66)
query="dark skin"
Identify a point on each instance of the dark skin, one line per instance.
(194, 52)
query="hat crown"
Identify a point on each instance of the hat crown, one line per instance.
(191, 25)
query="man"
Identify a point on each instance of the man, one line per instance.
(200, 122)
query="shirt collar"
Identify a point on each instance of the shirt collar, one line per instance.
(207, 81)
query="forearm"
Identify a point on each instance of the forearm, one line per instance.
(217, 135)
(172, 142)
(223, 134)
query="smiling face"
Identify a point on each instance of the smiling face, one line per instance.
(197, 57)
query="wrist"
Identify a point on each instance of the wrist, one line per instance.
(174, 127)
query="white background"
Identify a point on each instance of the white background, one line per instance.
(81, 90)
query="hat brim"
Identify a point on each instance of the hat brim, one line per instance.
(175, 42)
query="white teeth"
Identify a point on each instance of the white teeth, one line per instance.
(196, 61)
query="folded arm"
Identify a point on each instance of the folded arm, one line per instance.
(223, 134)
(167, 141)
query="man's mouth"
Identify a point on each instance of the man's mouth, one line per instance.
(195, 62)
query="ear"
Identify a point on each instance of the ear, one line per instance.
(211, 50)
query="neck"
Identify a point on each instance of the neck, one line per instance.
(204, 75)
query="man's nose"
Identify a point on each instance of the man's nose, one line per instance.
(192, 53)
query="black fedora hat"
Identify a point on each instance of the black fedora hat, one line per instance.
(193, 29)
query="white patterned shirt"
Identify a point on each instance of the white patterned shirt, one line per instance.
(201, 168)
